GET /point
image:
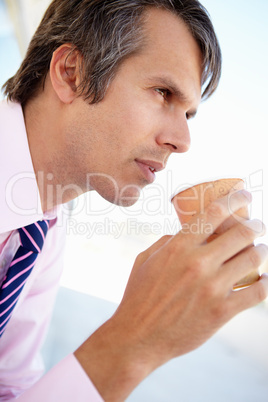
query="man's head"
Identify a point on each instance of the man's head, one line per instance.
(107, 88)
(106, 33)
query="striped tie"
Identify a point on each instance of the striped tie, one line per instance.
(32, 239)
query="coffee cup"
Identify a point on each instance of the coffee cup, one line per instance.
(194, 200)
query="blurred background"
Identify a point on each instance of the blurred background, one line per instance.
(228, 140)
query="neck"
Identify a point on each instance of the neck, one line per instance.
(43, 129)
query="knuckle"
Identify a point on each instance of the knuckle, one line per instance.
(246, 232)
(216, 210)
(173, 247)
(197, 264)
(219, 311)
(166, 238)
(214, 295)
(139, 259)
(211, 290)
(254, 257)
(261, 292)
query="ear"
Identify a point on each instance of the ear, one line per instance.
(65, 72)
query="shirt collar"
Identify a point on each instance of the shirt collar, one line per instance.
(20, 202)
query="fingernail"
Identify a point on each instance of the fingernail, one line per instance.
(263, 250)
(247, 195)
(257, 226)
(264, 281)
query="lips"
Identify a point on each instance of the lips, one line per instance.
(149, 168)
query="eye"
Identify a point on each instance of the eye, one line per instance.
(165, 93)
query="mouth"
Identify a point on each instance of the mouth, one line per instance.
(149, 168)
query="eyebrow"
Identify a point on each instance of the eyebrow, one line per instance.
(173, 87)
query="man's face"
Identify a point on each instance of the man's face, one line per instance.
(121, 142)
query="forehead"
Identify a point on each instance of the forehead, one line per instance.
(170, 52)
(168, 40)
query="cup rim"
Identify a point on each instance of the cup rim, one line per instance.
(204, 182)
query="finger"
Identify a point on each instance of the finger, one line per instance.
(234, 240)
(203, 225)
(242, 299)
(244, 263)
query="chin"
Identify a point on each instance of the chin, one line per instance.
(125, 198)
(124, 201)
(116, 193)
(128, 202)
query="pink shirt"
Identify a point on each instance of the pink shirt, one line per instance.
(21, 365)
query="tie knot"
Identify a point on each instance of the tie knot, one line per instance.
(32, 236)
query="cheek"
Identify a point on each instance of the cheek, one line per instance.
(136, 122)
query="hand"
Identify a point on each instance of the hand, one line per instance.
(178, 295)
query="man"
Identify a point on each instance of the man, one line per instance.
(103, 98)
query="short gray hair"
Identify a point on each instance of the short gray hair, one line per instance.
(106, 32)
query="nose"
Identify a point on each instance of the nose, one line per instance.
(175, 134)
